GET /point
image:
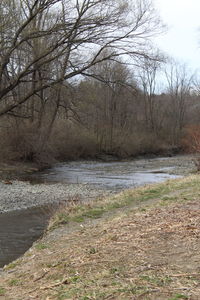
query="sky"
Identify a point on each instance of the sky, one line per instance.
(182, 40)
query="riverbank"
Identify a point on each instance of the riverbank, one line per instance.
(84, 180)
(139, 244)
(26, 206)
(19, 195)
(183, 163)
(14, 170)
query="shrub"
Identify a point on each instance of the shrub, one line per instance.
(191, 142)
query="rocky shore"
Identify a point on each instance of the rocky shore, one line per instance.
(18, 195)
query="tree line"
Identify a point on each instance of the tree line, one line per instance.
(79, 78)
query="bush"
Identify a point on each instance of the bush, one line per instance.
(191, 142)
(72, 142)
(22, 141)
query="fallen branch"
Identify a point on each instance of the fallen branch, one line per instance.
(64, 281)
(185, 275)
(148, 292)
(41, 276)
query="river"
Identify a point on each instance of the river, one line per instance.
(20, 228)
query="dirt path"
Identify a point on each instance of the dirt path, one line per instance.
(148, 253)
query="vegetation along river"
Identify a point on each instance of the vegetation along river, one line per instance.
(25, 204)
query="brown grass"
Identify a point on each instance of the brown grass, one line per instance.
(135, 253)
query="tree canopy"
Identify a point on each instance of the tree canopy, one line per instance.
(44, 43)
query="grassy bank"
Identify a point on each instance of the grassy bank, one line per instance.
(139, 244)
(158, 194)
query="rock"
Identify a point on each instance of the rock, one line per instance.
(7, 182)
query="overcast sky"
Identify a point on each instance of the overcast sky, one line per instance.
(182, 40)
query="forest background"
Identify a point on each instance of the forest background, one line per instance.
(82, 79)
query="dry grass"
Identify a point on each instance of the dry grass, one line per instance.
(161, 194)
(146, 252)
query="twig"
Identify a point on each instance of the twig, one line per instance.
(185, 275)
(149, 291)
(40, 277)
(64, 281)
(182, 288)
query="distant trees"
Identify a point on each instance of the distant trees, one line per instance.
(148, 81)
(179, 86)
(107, 105)
(79, 77)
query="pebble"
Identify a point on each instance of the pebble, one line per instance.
(22, 195)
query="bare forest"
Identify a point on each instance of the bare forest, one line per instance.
(82, 78)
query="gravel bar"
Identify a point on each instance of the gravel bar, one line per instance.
(22, 195)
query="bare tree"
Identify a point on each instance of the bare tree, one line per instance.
(107, 105)
(44, 43)
(148, 81)
(179, 87)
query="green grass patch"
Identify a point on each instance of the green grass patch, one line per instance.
(14, 282)
(2, 291)
(156, 280)
(41, 246)
(178, 296)
(178, 190)
(94, 212)
(12, 265)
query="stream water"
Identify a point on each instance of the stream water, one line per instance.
(112, 176)
(18, 230)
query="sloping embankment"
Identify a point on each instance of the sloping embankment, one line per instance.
(140, 244)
